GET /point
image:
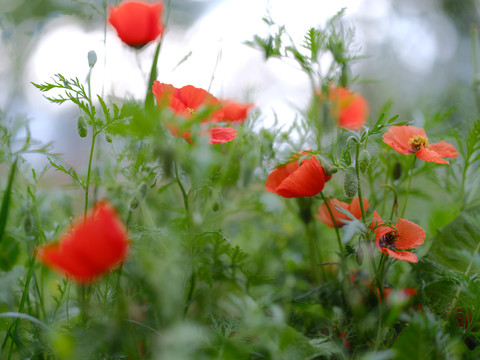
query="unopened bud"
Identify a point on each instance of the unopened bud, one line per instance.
(364, 160)
(92, 58)
(134, 203)
(397, 171)
(350, 183)
(359, 255)
(82, 126)
(28, 223)
(109, 137)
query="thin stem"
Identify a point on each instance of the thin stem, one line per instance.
(153, 76)
(89, 171)
(408, 189)
(357, 170)
(315, 258)
(184, 193)
(476, 80)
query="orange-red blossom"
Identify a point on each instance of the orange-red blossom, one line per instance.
(91, 248)
(396, 241)
(407, 139)
(188, 100)
(137, 22)
(340, 218)
(295, 180)
(351, 109)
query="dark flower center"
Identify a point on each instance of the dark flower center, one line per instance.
(417, 142)
(388, 240)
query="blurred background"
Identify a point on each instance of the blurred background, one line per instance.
(415, 54)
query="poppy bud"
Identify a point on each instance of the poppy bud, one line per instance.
(350, 183)
(92, 58)
(134, 203)
(28, 223)
(82, 126)
(109, 137)
(364, 160)
(397, 171)
(359, 255)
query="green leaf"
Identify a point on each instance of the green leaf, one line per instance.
(9, 252)
(6, 200)
(457, 245)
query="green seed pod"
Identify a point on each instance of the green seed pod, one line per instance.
(350, 183)
(109, 137)
(28, 223)
(92, 58)
(359, 255)
(364, 160)
(215, 206)
(397, 171)
(82, 127)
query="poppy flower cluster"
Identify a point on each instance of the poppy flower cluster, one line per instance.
(294, 180)
(407, 140)
(137, 22)
(396, 241)
(339, 217)
(349, 108)
(91, 248)
(186, 102)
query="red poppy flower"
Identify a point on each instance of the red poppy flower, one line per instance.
(188, 100)
(91, 247)
(294, 180)
(350, 108)
(340, 218)
(137, 22)
(409, 139)
(407, 235)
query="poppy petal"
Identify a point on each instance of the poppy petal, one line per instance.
(398, 138)
(444, 149)
(355, 209)
(324, 216)
(279, 174)
(429, 155)
(410, 235)
(235, 112)
(308, 180)
(402, 255)
(222, 135)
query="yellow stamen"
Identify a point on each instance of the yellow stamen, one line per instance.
(191, 111)
(417, 142)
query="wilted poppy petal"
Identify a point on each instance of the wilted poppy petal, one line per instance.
(410, 235)
(308, 180)
(430, 156)
(402, 255)
(444, 149)
(222, 135)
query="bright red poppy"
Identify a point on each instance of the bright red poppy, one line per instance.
(409, 139)
(395, 242)
(189, 100)
(350, 108)
(340, 218)
(137, 22)
(294, 180)
(91, 248)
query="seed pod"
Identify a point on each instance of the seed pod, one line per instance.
(364, 160)
(397, 171)
(350, 183)
(92, 58)
(359, 255)
(82, 126)
(109, 137)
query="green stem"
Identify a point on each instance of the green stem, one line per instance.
(476, 80)
(184, 194)
(89, 171)
(315, 258)
(152, 77)
(408, 189)
(357, 170)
